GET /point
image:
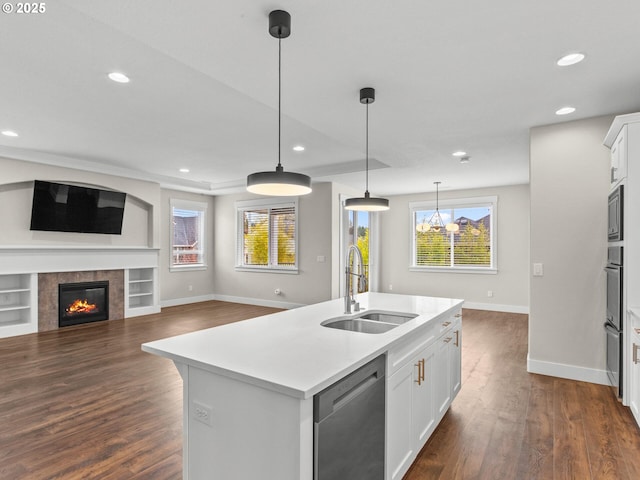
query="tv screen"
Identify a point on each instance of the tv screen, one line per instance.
(69, 208)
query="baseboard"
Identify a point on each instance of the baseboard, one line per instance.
(186, 300)
(496, 307)
(570, 372)
(257, 301)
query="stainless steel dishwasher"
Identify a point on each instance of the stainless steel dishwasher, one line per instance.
(348, 429)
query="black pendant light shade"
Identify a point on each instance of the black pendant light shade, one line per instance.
(279, 182)
(367, 203)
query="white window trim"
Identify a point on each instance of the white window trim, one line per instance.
(188, 205)
(241, 206)
(455, 203)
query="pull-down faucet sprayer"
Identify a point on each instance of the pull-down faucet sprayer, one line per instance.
(350, 291)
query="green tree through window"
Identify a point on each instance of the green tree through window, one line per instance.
(468, 241)
(268, 237)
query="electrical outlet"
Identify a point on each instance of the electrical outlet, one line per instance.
(277, 291)
(490, 293)
(201, 413)
(190, 288)
(390, 287)
(538, 270)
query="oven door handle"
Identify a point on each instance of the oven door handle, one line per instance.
(611, 328)
(612, 269)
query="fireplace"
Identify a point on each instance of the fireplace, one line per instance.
(82, 302)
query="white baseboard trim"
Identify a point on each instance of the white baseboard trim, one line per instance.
(257, 301)
(174, 302)
(570, 372)
(496, 307)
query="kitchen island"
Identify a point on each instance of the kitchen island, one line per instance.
(249, 386)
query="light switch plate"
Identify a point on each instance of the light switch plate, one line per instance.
(538, 270)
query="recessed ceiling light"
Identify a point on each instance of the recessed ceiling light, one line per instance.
(119, 77)
(298, 148)
(570, 59)
(184, 170)
(459, 153)
(9, 133)
(565, 111)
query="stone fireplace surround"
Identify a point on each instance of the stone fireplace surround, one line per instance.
(48, 294)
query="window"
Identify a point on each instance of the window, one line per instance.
(470, 248)
(267, 235)
(358, 234)
(187, 235)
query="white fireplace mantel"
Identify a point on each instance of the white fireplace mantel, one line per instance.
(47, 259)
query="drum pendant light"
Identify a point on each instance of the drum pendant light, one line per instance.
(279, 182)
(367, 203)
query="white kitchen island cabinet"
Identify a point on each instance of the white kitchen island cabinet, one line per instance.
(248, 387)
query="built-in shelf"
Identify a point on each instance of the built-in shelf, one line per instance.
(141, 291)
(18, 304)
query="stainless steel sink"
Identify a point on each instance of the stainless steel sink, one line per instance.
(394, 318)
(369, 322)
(359, 325)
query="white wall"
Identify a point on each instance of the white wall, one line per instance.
(569, 187)
(313, 282)
(509, 286)
(16, 192)
(174, 286)
(146, 221)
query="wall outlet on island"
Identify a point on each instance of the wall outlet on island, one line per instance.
(390, 287)
(190, 288)
(201, 413)
(490, 293)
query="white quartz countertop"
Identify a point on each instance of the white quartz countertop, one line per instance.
(291, 352)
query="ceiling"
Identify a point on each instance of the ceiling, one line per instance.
(449, 75)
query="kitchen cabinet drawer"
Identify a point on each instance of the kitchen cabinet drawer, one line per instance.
(400, 354)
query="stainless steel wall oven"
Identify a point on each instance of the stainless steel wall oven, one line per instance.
(614, 321)
(616, 210)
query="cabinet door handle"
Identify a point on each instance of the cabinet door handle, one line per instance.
(448, 339)
(635, 353)
(458, 315)
(637, 330)
(457, 343)
(446, 324)
(422, 374)
(419, 365)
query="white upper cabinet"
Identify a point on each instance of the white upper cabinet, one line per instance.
(618, 169)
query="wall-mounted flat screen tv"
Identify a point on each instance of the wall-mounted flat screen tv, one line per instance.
(70, 208)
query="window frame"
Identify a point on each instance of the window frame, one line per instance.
(266, 204)
(490, 202)
(201, 207)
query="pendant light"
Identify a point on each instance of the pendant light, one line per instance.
(279, 182)
(367, 203)
(435, 223)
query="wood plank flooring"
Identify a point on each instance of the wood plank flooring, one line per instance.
(509, 424)
(86, 403)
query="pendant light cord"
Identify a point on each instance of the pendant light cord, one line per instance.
(367, 152)
(279, 95)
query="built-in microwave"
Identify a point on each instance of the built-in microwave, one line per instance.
(614, 228)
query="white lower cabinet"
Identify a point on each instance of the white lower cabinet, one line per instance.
(634, 375)
(419, 392)
(410, 412)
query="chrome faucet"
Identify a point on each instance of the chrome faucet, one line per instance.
(350, 292)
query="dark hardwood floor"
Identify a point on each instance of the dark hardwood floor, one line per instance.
(85, 402)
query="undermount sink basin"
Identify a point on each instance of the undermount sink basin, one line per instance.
(369, 322)
(394, 318)
(358, 325)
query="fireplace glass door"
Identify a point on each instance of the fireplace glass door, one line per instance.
(83, 302)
